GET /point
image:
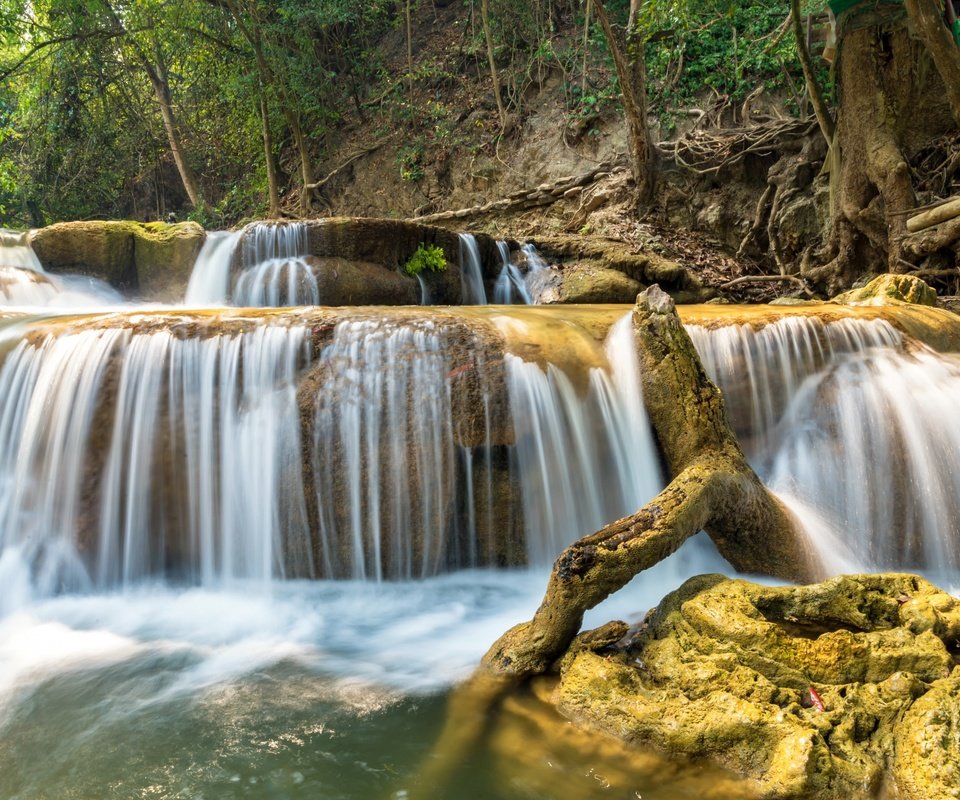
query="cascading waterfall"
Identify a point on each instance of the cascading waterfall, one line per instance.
(154, 452)
(509, 287)
(471, 270)
(25, 284)
(870, 443)
(852, 427)
(210, 279)
(275, 271)
(583, 461)
(15, 251)
(761, 369)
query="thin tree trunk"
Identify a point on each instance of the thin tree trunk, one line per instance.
(488, 36)
(409, 51)
(161, 89)
(628, 59)
(273, 183)
(824, 117)
(928, 21)
(157, 75)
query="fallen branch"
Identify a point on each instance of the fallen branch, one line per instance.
(715, 489)
(310, 187)
(943, 212)
(768, 279)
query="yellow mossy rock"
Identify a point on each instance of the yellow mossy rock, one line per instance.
(890, 289)
(823, 691)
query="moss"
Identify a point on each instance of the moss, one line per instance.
(890, 290)
(726, 670)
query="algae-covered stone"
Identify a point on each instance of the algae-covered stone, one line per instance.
(592, 284)
(164, 256)
(889, 290)
(150, 259)
(812, 691)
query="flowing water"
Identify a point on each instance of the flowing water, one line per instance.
(161, 472)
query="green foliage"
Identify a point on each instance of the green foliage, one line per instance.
(725, 47)
(426, 257)
(410, 160)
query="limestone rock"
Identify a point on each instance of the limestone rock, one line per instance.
(888, 290)
(591, 284)
(360, 283)
(152, 260)
(816, 691)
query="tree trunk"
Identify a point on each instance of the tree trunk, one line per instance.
(273, 182)
(488, 36)
(628, 59)
(928, 21)
(161, 90)
(824, 118)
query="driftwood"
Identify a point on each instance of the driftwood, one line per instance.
(714, 489)
(941, 213)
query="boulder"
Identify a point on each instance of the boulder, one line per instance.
(151, 260)
(342, 282)
(586, 283)
(824, 691)
(890, 289)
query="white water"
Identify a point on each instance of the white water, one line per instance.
(25, 285)
(584, 461)
(509, 287)
(761, 370)
(275, 272)
(199, 445)
(471, 272)
(855, 432)
(210, 279)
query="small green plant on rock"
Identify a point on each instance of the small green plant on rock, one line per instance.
(427, 257)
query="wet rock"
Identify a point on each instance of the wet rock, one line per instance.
(590, 284)
(151, 260)
(823, 691)
(360, 283)
(888, 290)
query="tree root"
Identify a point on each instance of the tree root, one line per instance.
(714, 489)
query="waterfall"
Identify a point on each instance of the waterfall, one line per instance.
(871, 443)
(154, 452)
(275, 272)
(509, 287)
(583, 460)
(25, 284)
(210, 279)
(760, 370)
(15, 251)
(404, 448)
(854, 429)
(471, 272)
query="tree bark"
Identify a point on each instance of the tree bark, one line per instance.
(628, 59)
(273, 182)
(928, 21)
(824, 118)
(488, 36)
(161, 90)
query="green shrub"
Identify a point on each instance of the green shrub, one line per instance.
(427, 257)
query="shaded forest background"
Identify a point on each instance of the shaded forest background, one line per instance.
(100, 98)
